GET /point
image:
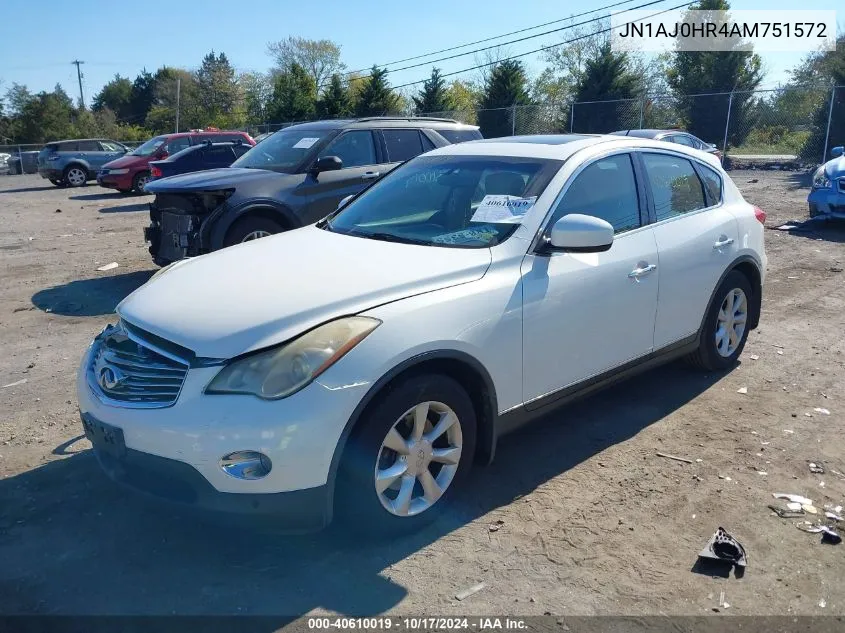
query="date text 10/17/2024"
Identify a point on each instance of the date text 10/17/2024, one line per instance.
(417, 623)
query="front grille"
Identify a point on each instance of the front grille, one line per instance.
(130, 373)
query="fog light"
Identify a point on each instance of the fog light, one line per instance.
(246, 465)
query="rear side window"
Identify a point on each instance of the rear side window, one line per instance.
(402, 145)
(219, 155)
(683, 139)
(89, 146)
(675, 185)
(605, 189)
(712, 183)
(459, 136)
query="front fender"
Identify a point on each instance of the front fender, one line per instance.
(214, 229)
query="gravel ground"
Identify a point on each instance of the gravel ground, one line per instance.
(590, 520)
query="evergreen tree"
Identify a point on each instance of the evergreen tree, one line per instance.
(116, 95)
(376, 98)
(336, 101)
(827, 69)
(606, 78)
(434, 96)
(294, 96)
(506, 86)
(218, 88)
(142, 97)
(702, 72)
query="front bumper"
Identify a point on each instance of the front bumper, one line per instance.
(174, 452)
(115, 181)
(829, 202)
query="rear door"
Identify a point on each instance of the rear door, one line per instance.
(697, 238)
(357, 149)
(91, 153)
(217, 156)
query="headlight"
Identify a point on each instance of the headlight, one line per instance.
(820, 179)
(284, 370)
(117, 172)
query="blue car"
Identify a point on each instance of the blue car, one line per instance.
(828, 195)
(206, 155)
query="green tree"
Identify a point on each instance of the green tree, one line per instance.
(161, 116)
(701, 72)
(825, 69)
(116, 95)
(142, 96)
(257, 89)
(45, 117)
(336, 101)
(294, 95)
(506, 86)
(376, 97)
(218, 88)
(319, 58)
(17, 96)
(606, 78)
(434, 96)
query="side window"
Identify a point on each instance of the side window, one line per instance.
(89, 146)
(606, 189)
(675, 186)
(70, 146)
(402, 145)
(459, 136)
(219, 155)
(178, 144)
(354, 148)
(241, 149)
(683, 139)
(427, 143)
(713, 184)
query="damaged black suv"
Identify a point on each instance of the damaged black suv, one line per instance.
(293, 178)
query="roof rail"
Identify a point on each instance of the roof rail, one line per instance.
(405, 118)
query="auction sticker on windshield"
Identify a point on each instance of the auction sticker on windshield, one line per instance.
(305, 143)
(503, 209)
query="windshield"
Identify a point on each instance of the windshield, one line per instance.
(452, 201)
(149, 148)
(282, 151)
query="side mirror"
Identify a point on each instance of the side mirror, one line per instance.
(581, 234)
(343, 202)
(837, 151)
(326, 163)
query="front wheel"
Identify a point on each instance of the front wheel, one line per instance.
(250, 228)
(75, 176)
(408, 456)
(726, 324)
(139, 181)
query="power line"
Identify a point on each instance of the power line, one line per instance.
(545, 48)
(521, 39)
(495, 37)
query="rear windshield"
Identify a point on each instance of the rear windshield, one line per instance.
(459, 136)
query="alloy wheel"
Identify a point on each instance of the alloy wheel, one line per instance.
(731, 322)
(76, 177)
(418, 459)
(255, 235)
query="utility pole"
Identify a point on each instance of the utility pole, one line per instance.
(77, 63)
(178, 93)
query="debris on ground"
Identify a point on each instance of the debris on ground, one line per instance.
(830, 536)
(833, 515)
(809, 508)
(677, 459)
(789, 512)
(822, 603)
(835, 269)
(722, 603)
(58, 210)
(14, 384)
(742, 390)
(780, 352)
(726, 549)
(790, 431)
(754, 357)
(817, 467)
(725, 477)
(466, 593)
(791, 497)
(821, 410)
(495, 527)
(111, 266)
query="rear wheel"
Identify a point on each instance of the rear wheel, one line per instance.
(250, 228)
(139, 181)
(407, 456)
(726, 325)
(75, 176)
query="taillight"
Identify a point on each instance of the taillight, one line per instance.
(155, 172)
(760, 215)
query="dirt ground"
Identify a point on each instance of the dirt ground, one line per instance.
(592, 521)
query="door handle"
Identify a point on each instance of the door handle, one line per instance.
(370, 175)
(639, 272)
(723, 242)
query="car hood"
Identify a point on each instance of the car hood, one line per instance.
(836, 167)
(125, 161)
(254, 295)
(211, 179)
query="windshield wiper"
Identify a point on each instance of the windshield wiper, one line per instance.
(390, 237)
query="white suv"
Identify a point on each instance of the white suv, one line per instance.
(364, 363)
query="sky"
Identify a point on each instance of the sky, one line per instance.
(38, 44)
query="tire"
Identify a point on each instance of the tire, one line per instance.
(250, 228)
(124, 190)
(58, 183)
(139, 181)
(360, 506)
(75, 176)
(716, 352)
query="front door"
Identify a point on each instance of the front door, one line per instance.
(357, 150)
(586, 313)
